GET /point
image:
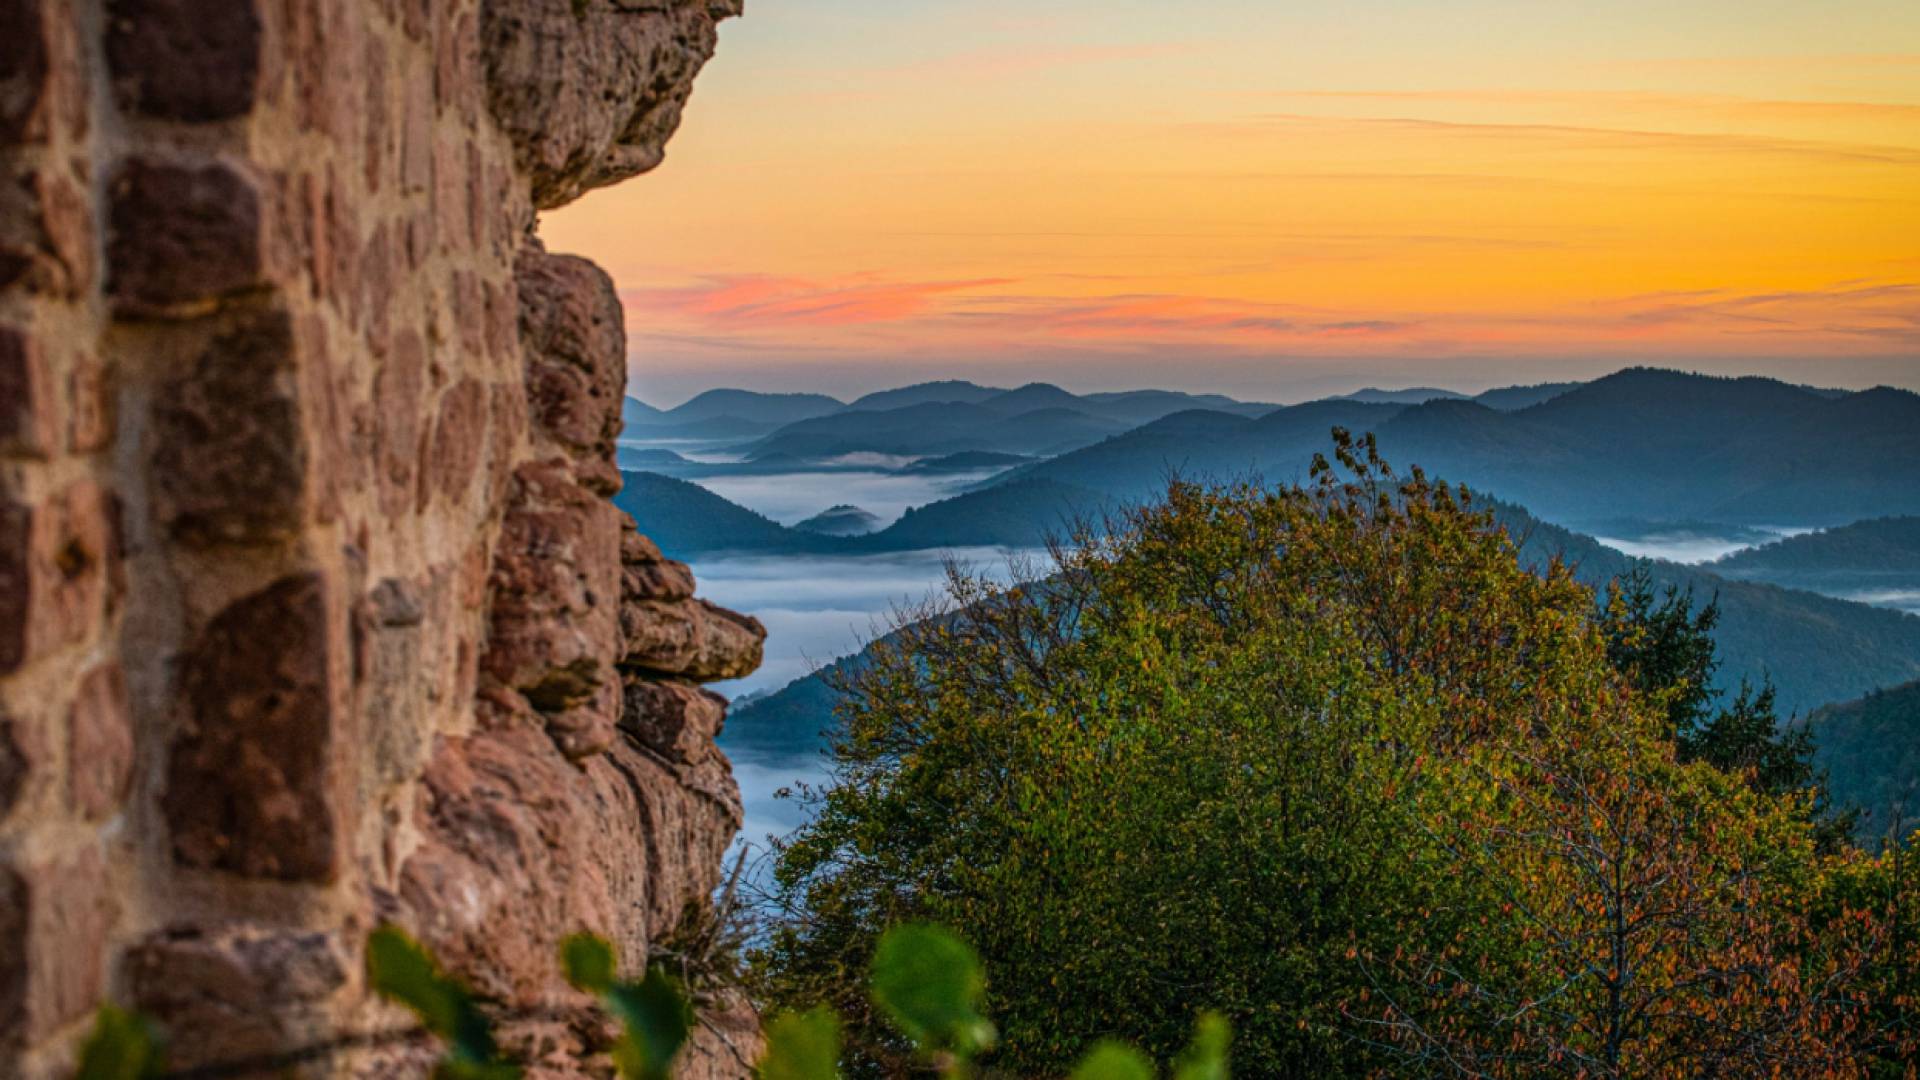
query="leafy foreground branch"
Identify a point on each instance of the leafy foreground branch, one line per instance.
(927, 982)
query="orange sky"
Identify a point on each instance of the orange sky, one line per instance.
(1278, 199)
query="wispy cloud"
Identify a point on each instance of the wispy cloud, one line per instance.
(1887, 311)
(735, 314)
(1576, 137)
(1717, 105)
(1006, 60)
(759, 300)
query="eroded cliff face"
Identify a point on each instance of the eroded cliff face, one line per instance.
(314, 612)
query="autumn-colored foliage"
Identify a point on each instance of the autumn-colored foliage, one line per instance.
(1324, 757)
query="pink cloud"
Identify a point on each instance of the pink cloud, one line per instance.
(865, 317)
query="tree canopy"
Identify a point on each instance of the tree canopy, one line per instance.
(1328, 759)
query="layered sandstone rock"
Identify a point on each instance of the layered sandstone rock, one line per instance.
(314, 612)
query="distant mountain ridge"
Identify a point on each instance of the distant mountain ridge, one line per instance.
(1639, 443)
(1411, 396)
(1887, 544)
(1877, 559)
(689, 522)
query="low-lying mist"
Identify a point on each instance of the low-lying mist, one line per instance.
(817, 608)
(790, 498)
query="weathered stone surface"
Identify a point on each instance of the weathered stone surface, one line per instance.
(249, 779)
(230, 456)
(16, 944)
(24, 67)
(240, 992)
(575, 345)
(39, 71)
(54, 921)
(90, 411)
(28, 420)
(673, 719)
(691, 638)
(540, 844)
(283, 303)
(555, 587)
(398, 392)
(182, 236)
(645, 574)
(591, 92)
(46, 234)
(100, 743)
(459, 437)
(182, 59)
(517, 835)
(57, 571)
(20, 754)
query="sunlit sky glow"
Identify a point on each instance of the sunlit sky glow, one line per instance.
(1278, 199)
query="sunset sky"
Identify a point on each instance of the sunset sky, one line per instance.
(1278, 199)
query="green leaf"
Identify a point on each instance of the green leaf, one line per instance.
(589, 963)
(1114, 1061)
(802, 1046)
(400, 970)
(929, 983)
(1206, 1056)
(121, 1046)
(657, 1018)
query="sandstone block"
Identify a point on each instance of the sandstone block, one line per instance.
(555, 591)
(46, 234)
(514, 834)
(675, 719)
(250, 776)
(574, 340)
(28, 417)
(645, 574)
(691, 638)
(182, 236)
(58, 571)
(239, 992)
(416, 133)
(229, 457)
(182, 59)
(100, 743)
(24, 68)
(20, 754)
(55, 918)
(40, 69)
(89, 406)
(398, 390)
(459, 438)
(589, 728)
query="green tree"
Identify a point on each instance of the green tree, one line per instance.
(1663, 644)
(1296, 754)
(1164, 774)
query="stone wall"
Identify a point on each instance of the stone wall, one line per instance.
(314, 612)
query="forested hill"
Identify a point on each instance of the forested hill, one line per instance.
(1639, 443)
(1815, 649)
(1870, 748)
(1880, 553)
(688, 521)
